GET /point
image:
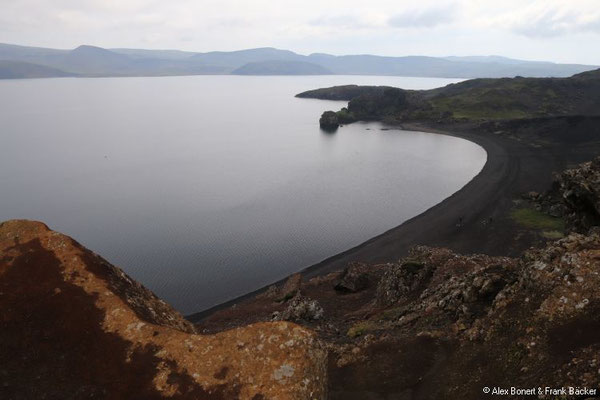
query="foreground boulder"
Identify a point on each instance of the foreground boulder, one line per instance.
(72, 326)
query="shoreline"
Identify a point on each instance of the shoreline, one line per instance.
(475, 219)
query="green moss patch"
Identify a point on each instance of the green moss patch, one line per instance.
(345, 116)
(392, 314)
(553, 235)
(361, 328)
(533, 219)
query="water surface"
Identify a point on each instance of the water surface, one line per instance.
(207, 187)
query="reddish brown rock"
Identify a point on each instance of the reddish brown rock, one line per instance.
(73, 326)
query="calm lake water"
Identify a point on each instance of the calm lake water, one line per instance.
(207, 187)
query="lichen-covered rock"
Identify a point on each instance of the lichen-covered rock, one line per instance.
(459, 286)
(567, 272)
(300, 308)
(72, 326)
(403, 278)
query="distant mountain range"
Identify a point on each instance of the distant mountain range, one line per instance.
(87, 61)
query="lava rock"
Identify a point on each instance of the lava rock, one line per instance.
(354, 278)
(300, 308)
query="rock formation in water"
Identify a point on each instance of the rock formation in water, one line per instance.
(329, 120)
(72, 326)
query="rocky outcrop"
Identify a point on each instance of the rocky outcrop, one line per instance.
(440, 278)
(477, 319)
(574, 196)
(72, 326)
(354, 278)
(579, 189)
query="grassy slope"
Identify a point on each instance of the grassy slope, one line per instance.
(520, 97)
(475, 99)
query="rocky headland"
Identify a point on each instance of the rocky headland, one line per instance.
(475, 99)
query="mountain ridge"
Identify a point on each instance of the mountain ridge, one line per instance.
(89, 61)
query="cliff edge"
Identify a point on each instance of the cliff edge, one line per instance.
(74, 326)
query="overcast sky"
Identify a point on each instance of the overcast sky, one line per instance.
(555, 30)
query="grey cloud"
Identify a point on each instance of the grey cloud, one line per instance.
(427, 18)
(553, 23)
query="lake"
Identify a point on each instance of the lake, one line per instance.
(204, 188)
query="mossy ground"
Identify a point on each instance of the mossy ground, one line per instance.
(533, 219)
(361, 328)
(391, 314)
(553, 235)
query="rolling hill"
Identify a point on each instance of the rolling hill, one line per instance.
(475, 99)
